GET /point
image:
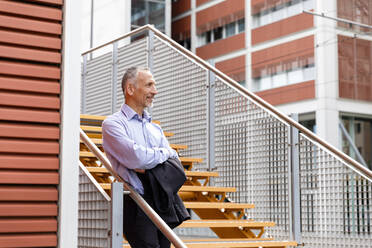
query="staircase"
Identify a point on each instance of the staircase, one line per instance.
(227, 219)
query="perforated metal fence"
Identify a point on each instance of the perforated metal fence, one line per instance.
(94, 215)
(251, 150)
(181, 102)
(336, 202)
(97, 86)
(251, 154)
(132, 54)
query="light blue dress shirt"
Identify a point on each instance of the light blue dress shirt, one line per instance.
(133, 142)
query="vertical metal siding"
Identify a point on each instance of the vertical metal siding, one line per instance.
(30, 57)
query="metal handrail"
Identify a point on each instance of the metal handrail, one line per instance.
(155, 218)
(351, 163)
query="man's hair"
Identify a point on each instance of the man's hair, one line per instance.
(131, 76)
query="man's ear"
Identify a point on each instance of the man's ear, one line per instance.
(130, 89)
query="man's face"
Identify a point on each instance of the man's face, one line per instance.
(145, 91)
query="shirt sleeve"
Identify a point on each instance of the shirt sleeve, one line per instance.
(126, 151)
(165, 144)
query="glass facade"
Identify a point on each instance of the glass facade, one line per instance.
(148, 12)
(360, 131)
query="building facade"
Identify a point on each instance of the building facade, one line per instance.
(39, 123)
(305, 64)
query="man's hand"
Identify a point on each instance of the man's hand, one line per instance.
(139, 171)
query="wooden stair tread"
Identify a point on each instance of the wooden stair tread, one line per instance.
(97, 169)
(226, 223)
(168, 134)
(187, 188)
(92, 117)
(219, 205)
(177, 146)
(201, 174)
(242, 243)
(192, 160)
(225, 239)
(245, 244)
(86, 154)
(87, 128)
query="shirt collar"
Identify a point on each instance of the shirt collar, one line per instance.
(130, 113)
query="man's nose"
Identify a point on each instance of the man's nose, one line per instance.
(154, 90)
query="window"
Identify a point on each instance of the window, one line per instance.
(208, 37)
(296, 70)
(241, 25)
(218, 33)
(185, 43)
(222, 32)
(263, 16)
(360, 131)
(230, 29)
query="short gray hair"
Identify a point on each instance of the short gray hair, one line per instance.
(131, 75)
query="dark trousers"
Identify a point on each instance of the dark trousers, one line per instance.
(139, 230)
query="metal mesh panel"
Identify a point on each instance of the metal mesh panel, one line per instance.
(181, 103)
(336, 203)
(251, 154)
(98, 85)
(133, 54)
(94, 215)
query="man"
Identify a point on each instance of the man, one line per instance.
(134, 144)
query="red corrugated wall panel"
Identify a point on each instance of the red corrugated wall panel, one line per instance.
(30, 72)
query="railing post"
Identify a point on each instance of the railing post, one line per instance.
(210, 116)
(150, 51)
(114, 76)
(84, 84)
(294, 183)
(150, 56)
(117, 206)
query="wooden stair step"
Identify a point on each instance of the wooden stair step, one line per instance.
(225, 239)
(201, 174)
(245, 244)
(95, 129)
(92, 117)
(220, 242)
(97, 170)
(226, 223)
(178, 147)
(187, 188)
(218, 205)
(84, 154)
(191, 160)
